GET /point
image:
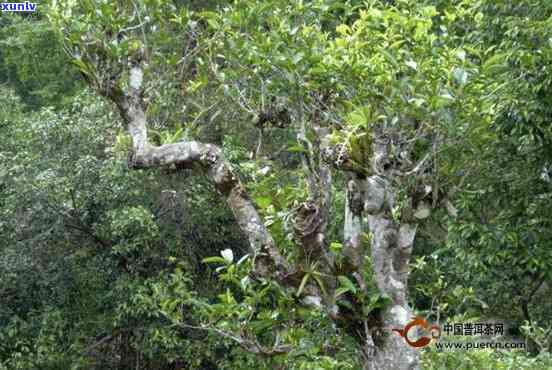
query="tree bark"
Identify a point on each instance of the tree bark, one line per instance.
(391, 248)
(207, 158)
(372, 196)
(353, 225)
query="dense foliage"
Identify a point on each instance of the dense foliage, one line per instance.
(103, 266)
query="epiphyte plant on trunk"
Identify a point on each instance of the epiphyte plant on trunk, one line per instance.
(373, 97)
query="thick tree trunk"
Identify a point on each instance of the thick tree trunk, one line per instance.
(367, 196)
(391, 246)
(353, 225)
(392, 243)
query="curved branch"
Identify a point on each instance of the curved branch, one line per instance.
(249, 345)
(209, 159)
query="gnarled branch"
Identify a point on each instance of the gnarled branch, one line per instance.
(206, 157)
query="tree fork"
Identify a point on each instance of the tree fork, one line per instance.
(208, 158)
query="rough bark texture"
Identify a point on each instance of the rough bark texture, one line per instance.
(369, 195)
(353, 227)
(391, 248)
(209, 159)
(312, 217)
(390, 253)
(312, 222)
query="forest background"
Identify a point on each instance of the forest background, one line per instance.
(274, 184)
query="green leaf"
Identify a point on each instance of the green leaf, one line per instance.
(346, 283)
(336, 247)
(497, 61)
(390, 58)
(340, 291)
(298, 148)
(213, 23)
(215, 259)
(297, 58)
(302, 285)
(320, 283)
(263, 202)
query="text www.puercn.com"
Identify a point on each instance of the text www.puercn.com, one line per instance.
(478, 345)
